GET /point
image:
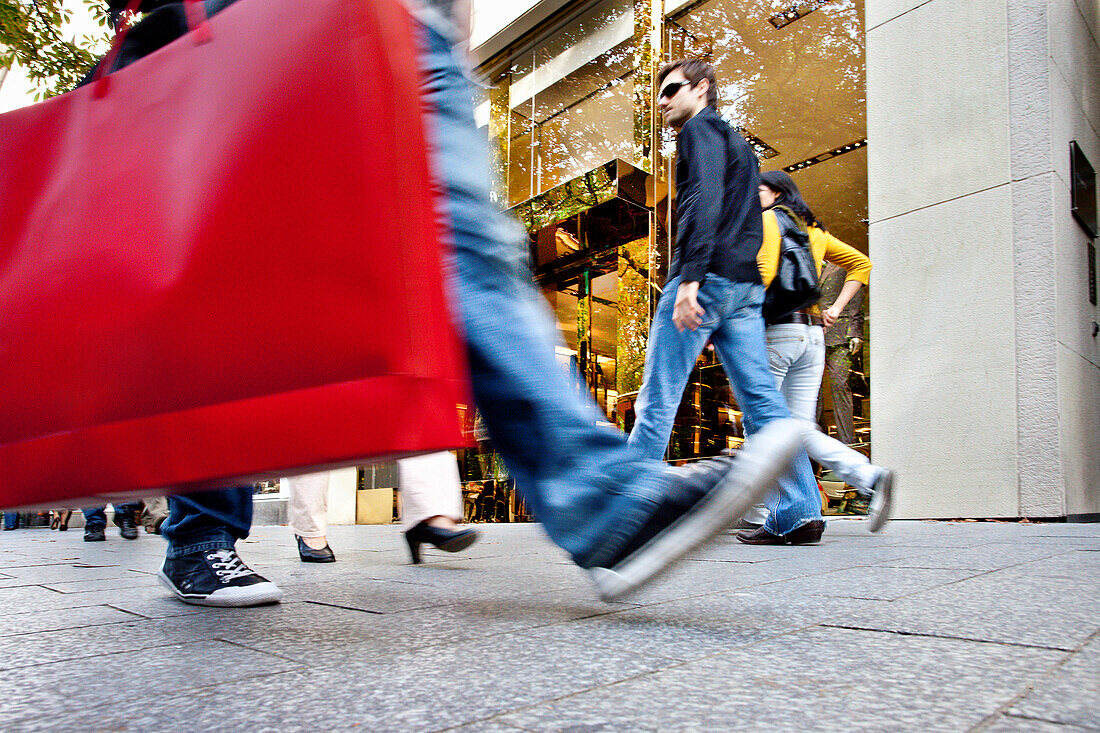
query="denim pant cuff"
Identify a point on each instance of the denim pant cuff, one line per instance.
(794, 525)
(214, 540)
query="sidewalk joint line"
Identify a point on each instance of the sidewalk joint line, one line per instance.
(347, 608)
(927, 635)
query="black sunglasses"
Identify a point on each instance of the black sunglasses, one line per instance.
(669, 91)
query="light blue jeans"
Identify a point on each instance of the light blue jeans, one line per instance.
(734, 325)
(796, 355)
(588, 489)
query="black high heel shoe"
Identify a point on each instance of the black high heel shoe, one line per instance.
(308, 554)
(63, 525)
(443, 539)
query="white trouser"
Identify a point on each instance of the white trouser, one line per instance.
(796, 354)
(429, 488)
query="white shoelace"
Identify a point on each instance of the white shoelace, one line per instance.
(230, 565)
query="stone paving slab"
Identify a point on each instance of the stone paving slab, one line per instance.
(874, 583)
(429, 689)
(128, 634)
(1071, 695)
(814, 679)
(1019, 605)
(927, 626)
(64, 619)
(691, 628)
(75, 689)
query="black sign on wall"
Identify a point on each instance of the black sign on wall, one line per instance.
(1092, 273)
(1082, 189)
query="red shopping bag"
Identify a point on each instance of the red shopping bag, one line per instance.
(220, 263)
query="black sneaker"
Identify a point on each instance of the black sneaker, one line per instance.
(94, 533)
(217, 578)
(701, 501)
(126, 526)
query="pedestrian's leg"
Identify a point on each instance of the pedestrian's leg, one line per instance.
(207, 520)
(94, 516)
(124, 519)
(669, 358)
(307, 508)
(801, 389)
(307, 515)
(429, 488)
(431, 504)
(154, 514)
(201, 565)
(95, 523)
(625, 516)
(589, 491)
(741, 346)
(784, 346)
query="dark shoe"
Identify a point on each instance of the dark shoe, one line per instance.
(806, 534)
(217, 578)
(126, 526)
(64, 525)
(308, 554)
(882, 500)
(443, 539)
(95, 533)
(701, 501)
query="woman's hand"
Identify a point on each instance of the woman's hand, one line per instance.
(829, 315)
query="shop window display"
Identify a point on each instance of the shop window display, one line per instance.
(567, 116)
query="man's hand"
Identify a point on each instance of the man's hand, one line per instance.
(687, 312)
(829, 316)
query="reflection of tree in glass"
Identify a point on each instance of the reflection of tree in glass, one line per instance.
(633, 314)
(577, 122)
(800, 88)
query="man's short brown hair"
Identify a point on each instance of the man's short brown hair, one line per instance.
(694, 70)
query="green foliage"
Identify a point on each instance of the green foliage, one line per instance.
(32, 35)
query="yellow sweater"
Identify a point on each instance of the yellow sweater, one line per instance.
(823, 246)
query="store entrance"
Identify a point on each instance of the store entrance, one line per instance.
(791, 79)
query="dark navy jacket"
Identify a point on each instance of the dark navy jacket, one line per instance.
(718, 215)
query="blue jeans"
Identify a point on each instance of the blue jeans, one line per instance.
(589, 490)
(94, 516)
(207, 520)
(734, 325)
(11, 520)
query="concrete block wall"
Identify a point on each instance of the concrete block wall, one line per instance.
(1074, 73)
(986, 390)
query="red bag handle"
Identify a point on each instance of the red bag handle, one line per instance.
(197, 24)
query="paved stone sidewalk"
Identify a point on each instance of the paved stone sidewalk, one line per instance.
(930, 626)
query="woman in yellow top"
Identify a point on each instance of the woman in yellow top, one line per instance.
(796, 348)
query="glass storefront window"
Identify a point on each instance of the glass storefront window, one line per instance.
(570, 101)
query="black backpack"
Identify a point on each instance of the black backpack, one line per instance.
(795, 285)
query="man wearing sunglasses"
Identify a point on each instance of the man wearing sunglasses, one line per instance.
(714, 292)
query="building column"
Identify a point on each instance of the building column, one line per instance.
(984, 388)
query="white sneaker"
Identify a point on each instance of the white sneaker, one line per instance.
(703, 500)
(882, 500)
